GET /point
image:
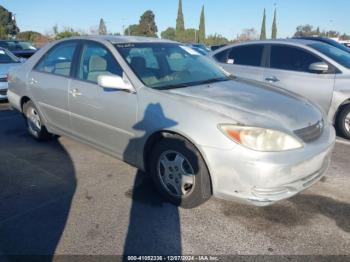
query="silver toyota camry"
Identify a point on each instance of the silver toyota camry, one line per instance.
(167, 110)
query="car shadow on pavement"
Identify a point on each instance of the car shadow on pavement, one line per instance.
(37, 184)
(154, 225)
(296, 211)
(326, 206)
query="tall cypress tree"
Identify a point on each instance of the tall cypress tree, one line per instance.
(180, 23)
(102, 29)
(274, 26)
(201, 33)
(263, 27)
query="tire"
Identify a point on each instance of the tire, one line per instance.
(343, 122)
(35, 126)
(171, 159)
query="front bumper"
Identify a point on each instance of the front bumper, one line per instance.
(3, 90)
(263, 178)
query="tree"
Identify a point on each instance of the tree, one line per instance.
(169, 33)
(318, 31)
(274, 26)
(67, 32)
(247, 34)
(29, 36)
(8, 22)
(180, 22)
(147, 24)
(201, 32)
(132, 30)
(344, 37)
(37, 38)
(215, 39)
(190, 35)
(3, 34)
(55, 29)
(305, 30)
(331, 34)
(102, 29)
(308, 30)
(263, 27)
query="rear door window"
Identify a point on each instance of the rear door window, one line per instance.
(58, 60)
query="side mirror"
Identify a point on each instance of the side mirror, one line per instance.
(319, 67)
(114, 82)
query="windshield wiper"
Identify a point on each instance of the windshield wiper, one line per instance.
(174, 86)
(213, 80)
(209, 81)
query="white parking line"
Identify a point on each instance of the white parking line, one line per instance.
(342, 141)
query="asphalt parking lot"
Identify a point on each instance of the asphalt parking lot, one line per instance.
(62, 197)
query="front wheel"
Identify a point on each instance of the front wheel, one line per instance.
(180, 173)
(343, 122)
(34, 122)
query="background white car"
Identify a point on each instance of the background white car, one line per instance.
(7, 60)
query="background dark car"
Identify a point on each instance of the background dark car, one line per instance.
(327, 41)
(19, 48)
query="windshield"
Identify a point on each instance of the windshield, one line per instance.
(168, 65)
(7, 58)
(338, 55)
(17, 45)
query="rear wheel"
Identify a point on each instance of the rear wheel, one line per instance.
(34, 122)
(179, 172)
(343, 122)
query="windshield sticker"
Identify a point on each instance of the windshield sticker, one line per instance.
(2, 52)
(230, 61)
(127, 45)
(189, 50)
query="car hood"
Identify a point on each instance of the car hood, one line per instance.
(252, 103)
(4, 68)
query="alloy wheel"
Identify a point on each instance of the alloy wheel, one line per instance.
(176, 174)
(33, 120)
(347, 122)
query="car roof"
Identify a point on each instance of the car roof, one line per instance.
(123, 39)
(292, 41)
(284, 41)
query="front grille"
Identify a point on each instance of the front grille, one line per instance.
(3, 92)
(310, 133)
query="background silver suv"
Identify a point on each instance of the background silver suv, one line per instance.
(316, 70)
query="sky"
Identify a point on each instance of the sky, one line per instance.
(225, 17)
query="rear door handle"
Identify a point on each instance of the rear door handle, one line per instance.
(75, 92)
(272, 79)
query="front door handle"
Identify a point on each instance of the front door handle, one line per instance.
(75, 92)
(272, 79)
(32, 81)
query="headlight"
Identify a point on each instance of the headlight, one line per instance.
(261, 139)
